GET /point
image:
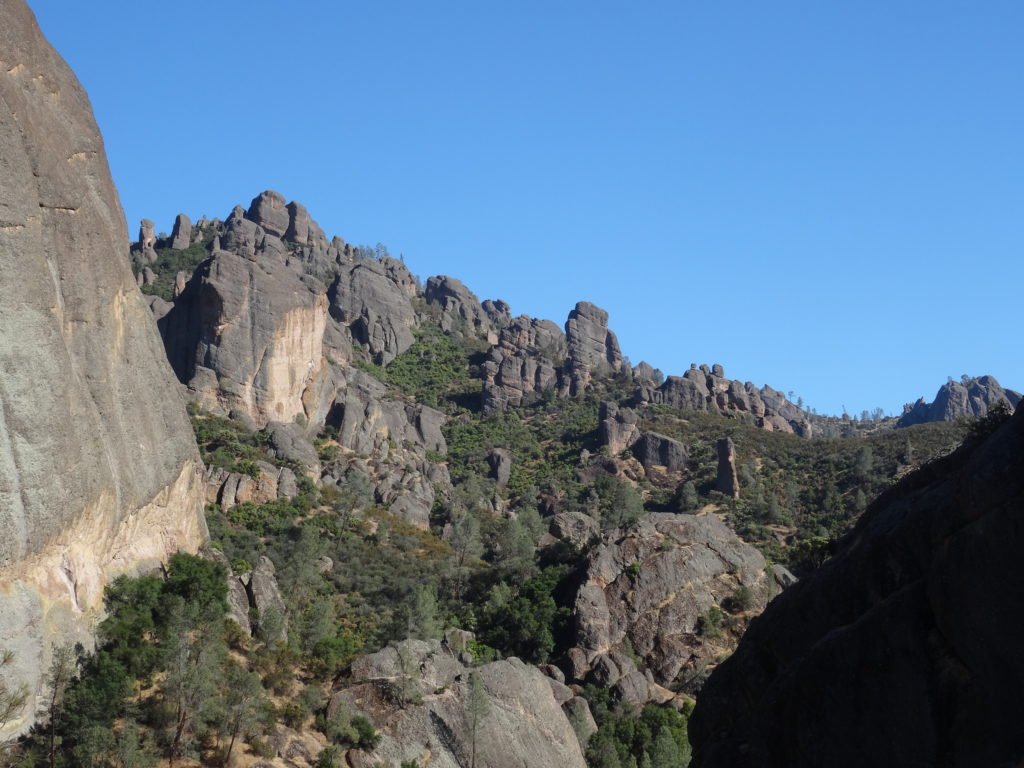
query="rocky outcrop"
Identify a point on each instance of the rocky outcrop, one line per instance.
(500, 462)
(618, 427)
(640, 614)
(654, 450)
(575, 528)
(901, 649)
(181, 235)
(591, 347)
(247, 333)
(726, 481)
(99, 472)
(707, 389)
(969, 397)
(525, 724)
(371, 299)
(461, 310)
(523, 364)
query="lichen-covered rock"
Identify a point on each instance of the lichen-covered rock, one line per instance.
(647, 590)
(99, 472)
(524, 726)
(904, 647)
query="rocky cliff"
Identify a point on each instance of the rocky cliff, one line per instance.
(903, 649)
(968, 397)
(99, 472)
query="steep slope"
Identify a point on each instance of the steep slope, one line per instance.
(98, 467)
(903, 649)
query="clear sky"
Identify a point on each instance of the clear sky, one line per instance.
(827, 197)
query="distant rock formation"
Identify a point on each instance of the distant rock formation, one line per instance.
(523, 364)
(99, 472)
(707, 389)
(592, 349)
(970, 397)
(904, 647)
(648, 591)
(726, 481)
(181, 235)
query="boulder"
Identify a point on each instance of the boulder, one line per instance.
(618, 427)
(268, 211)
(371, 300)
(265, 597)
(652, 449)
(591, 347)
(500, 462)
(575, 528)
(648, 587)
(460, 308)
(727, 481)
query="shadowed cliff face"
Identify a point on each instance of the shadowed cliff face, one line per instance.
(98, 465)
(904, 649)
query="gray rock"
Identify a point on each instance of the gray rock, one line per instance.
(591, 347)
(500, 462)
(525, 725)
(460, 308)
(265, 597)
(371, 299)
(646, 589)
(652, 449)
(99, 473)
(181, 235)
(288, 440)
(954, 399)
(268, 211)
(618, 427)
(147, 234)
(575, 528)
(523, 364)
(726, 481)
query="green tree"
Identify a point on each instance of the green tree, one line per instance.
(478, 707)
(63, 666)
(241, 699)
(12, 698)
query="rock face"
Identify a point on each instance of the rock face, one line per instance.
(618, 427)
(461, 310)
(523, 364)
(901, 649)
(592, 348)
(727, 482)
(526, 724)
(181, 236)
(246, 337)
(647, 588)
(707, 389)
(954, 399)
(99, 472)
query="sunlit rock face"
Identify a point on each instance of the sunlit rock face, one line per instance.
(99, 472)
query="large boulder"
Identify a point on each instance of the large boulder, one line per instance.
(461, 310)
(523, 723)
(99, 473)
(647, 593)
(904, 647)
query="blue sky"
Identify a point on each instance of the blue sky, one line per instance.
(823, 197)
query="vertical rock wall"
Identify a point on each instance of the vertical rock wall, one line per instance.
(99, 473)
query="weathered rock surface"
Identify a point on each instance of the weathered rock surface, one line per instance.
(647, 588)
(500, 462)
(265, 596)
(99, 472)
(591, 347)
(371, 299)
(181, 235)
(707, 389)
(575, 528)
(523, 364)
(247, 336)
(461, 310)
(618, 427)
(726, 481)
(954, 399)
(654, 450)
(904, 647)
(525, 726)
